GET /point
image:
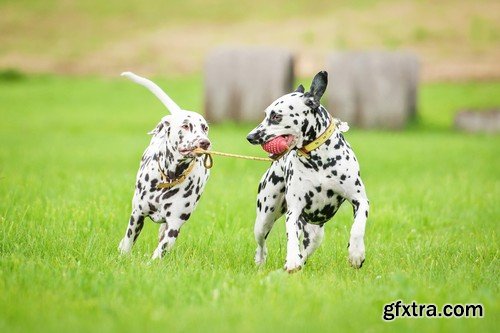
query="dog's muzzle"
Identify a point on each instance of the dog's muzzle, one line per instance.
(204, 144)
(254, 138)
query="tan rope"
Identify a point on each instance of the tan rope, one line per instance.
(208, 158)
(207, 162)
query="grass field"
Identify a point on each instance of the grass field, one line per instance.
(69, 150)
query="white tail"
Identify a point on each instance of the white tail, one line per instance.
(157, 91)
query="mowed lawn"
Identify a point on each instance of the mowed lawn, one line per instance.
(69, 151)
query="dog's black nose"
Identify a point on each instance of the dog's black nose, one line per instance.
(204, 144)
(251, 138)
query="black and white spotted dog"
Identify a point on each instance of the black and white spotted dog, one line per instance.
(309, 186)
(171, 178)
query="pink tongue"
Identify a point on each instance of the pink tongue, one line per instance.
(276, 146)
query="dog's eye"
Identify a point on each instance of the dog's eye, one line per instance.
(204, 128)
(185, 127)
(275, 117)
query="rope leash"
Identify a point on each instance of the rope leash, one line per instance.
(208, 161)
(304, 151)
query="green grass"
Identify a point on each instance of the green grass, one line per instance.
(68, 155)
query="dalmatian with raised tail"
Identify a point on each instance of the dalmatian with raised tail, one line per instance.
(315, 171)
(171, 177)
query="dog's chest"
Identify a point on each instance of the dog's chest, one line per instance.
(319, 184)
(320, 197)
(169, 203)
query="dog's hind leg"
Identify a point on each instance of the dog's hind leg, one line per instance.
(313, 236)
(270, 206)
(136, 222)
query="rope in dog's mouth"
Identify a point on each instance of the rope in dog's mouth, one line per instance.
(208, 161)
(304, 151)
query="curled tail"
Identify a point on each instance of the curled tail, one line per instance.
(157, 91)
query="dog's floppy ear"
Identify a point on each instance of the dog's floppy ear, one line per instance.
(318, 87)
(300, 89)
(164, 124)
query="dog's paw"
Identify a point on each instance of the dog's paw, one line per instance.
(260, 255)
(294, 265)
(356, 254)
(124, 247)
(157, 254)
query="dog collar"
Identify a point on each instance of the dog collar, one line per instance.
(168, 183)
(304, 151)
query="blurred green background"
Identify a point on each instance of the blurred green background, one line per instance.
(455, 39)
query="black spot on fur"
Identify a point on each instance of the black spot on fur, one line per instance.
(173, 233)
(170, 193)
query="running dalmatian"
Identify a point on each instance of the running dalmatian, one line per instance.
(314, 173)
(171, 177)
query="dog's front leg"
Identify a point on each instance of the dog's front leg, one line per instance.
(167, 238)
(356, 242)
(294, 259)
(270, 207)
(136, 222)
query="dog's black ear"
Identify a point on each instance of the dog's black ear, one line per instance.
(318, 87)
(300, 89)
(162, 125)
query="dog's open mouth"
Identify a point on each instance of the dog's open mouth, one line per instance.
(189, 152)
(278, 145)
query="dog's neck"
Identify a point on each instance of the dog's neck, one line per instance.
(172, 163)
(315, 123)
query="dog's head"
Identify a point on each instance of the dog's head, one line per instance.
(182, 133)
(292, 116)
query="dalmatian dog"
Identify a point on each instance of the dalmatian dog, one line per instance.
(316, 173)
(171, 177)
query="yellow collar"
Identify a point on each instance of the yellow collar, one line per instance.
(304, 151)
(168, 183)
